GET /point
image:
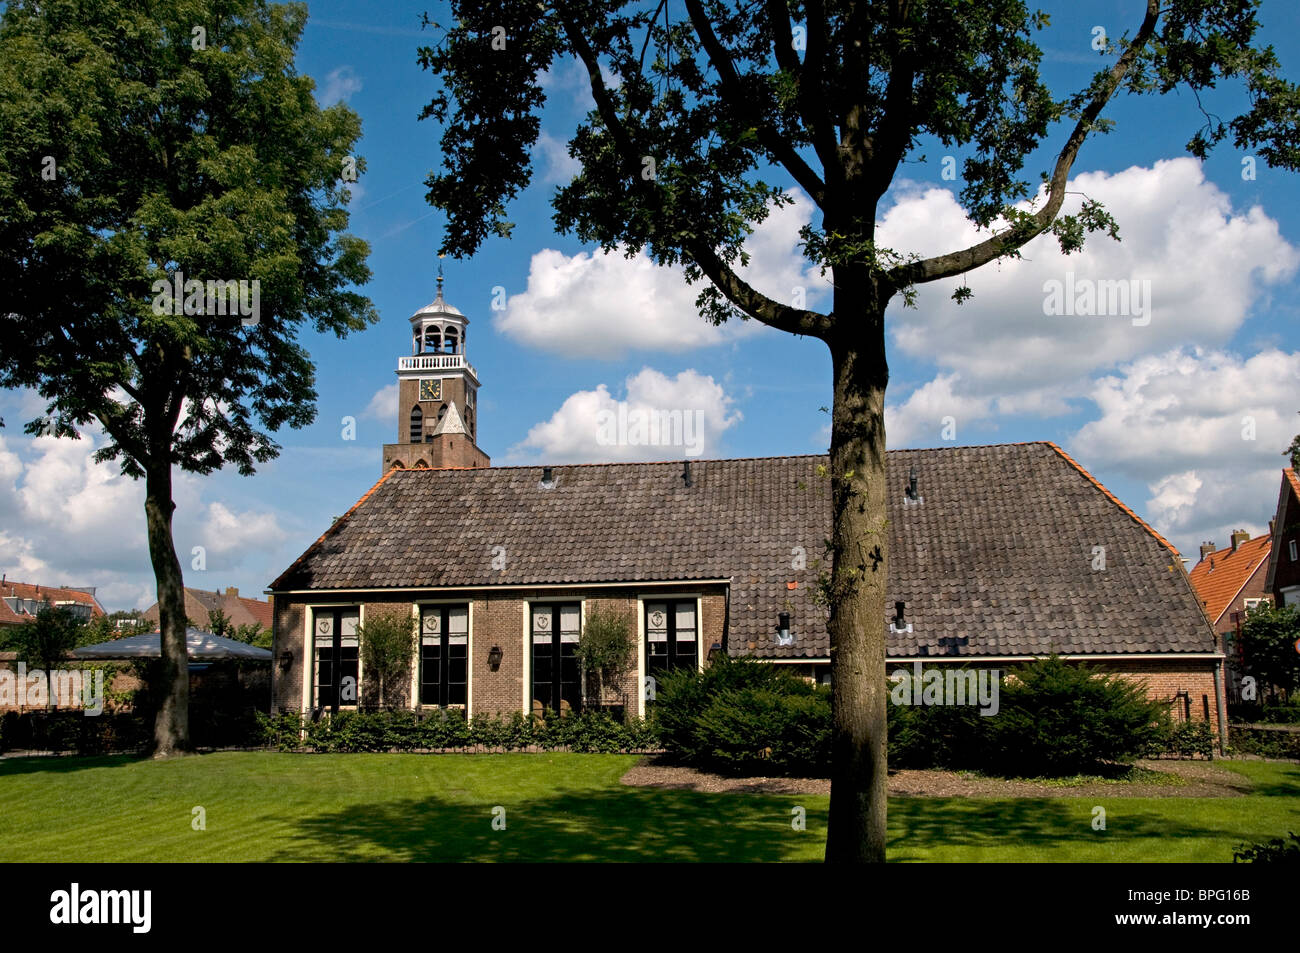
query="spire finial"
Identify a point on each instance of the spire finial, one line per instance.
(440, 277)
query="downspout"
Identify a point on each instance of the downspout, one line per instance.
(1218, 695)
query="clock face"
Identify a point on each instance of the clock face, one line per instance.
(431, 389)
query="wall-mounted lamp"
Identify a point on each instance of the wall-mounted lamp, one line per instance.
(286, 659)
(494, 657)
(783, 634)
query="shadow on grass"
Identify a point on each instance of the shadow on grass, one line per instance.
(64, 764)
(1287, 786)
(919, 826)
(625, 824)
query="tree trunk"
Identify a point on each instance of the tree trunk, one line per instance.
(172, 724)
(859, 545)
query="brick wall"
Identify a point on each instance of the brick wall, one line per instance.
(498, 619)
(1166, 680)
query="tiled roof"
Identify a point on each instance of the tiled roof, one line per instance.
(996, 561)
(1294, 480)
(1220, 576)
(240, 610)
(38, 592)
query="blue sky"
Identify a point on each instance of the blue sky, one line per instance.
(1155, 410)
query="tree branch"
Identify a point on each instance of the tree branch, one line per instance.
(768, 135)
(738, 292)
(1008, 240)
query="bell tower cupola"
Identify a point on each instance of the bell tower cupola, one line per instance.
(437, 393)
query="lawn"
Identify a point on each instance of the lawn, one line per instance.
(267, 806)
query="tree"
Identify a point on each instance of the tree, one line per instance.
(171, 212)
(604, 649)
(387, 649)
(47, 639)
(218, 622)
(833, 95)
(1293, 451)
(1270, 646)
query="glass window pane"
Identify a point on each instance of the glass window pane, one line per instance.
(570, 619)
(349, 621)
(542, 619)
(458, 620)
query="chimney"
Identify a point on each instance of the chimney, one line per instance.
(1206, 548)
(1238, 537)
(1270, 526)
(232, 591)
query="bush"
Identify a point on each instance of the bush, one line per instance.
(1187, 739)
(1059, 719)
(1275, 851)
(937, 736)
(409, 730)
(742, 716)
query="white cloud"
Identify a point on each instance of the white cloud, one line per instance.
(683, 416)
(225, 531)
(383, 405)
(340, 84)
(922, 415)
(558, 166)
(1208, 266)
(599, 305)
(1204, 430)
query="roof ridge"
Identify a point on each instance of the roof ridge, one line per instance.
(785, 456)
(1116, 500)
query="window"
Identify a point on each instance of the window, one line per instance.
(335, 635)
(1252, 603)
(417, 424)
(444, 655)
(1291, 546)
(671, 636)
(557, 678)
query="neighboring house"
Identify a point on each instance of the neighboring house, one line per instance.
(1284, 567)
(240, 610)
(1000, 554)
(20, 601)
(1230, 581)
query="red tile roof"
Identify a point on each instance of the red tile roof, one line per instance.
(1218, 586)
(32, 590)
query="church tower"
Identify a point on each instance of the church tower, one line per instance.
(437, 394)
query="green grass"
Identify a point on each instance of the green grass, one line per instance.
(280, 807)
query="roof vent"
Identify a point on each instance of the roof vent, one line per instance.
(686, 473)
(898, 624)
(912, 497)
(548, 478)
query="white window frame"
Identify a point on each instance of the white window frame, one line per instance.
(469, 654)
(309, 652)
(701, 652)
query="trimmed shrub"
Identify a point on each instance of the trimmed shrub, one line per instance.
(1058, 718)
(741, 716)
(408, 730)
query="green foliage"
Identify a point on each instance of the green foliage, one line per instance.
(1063, 718)
(1189, 739)
(387, 648)
(218, 622)
(73, 732)
(1269, 711)
(1264, 742)
(1268, 640)
(1276, 850)
(44, 641)
(448, 729)
(214, 162)
(604, 648)
(742, 716)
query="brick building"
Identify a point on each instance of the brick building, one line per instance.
(20, 601)
(1284, 567)
(240, 610)
(998, 554)
(1231, 581)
